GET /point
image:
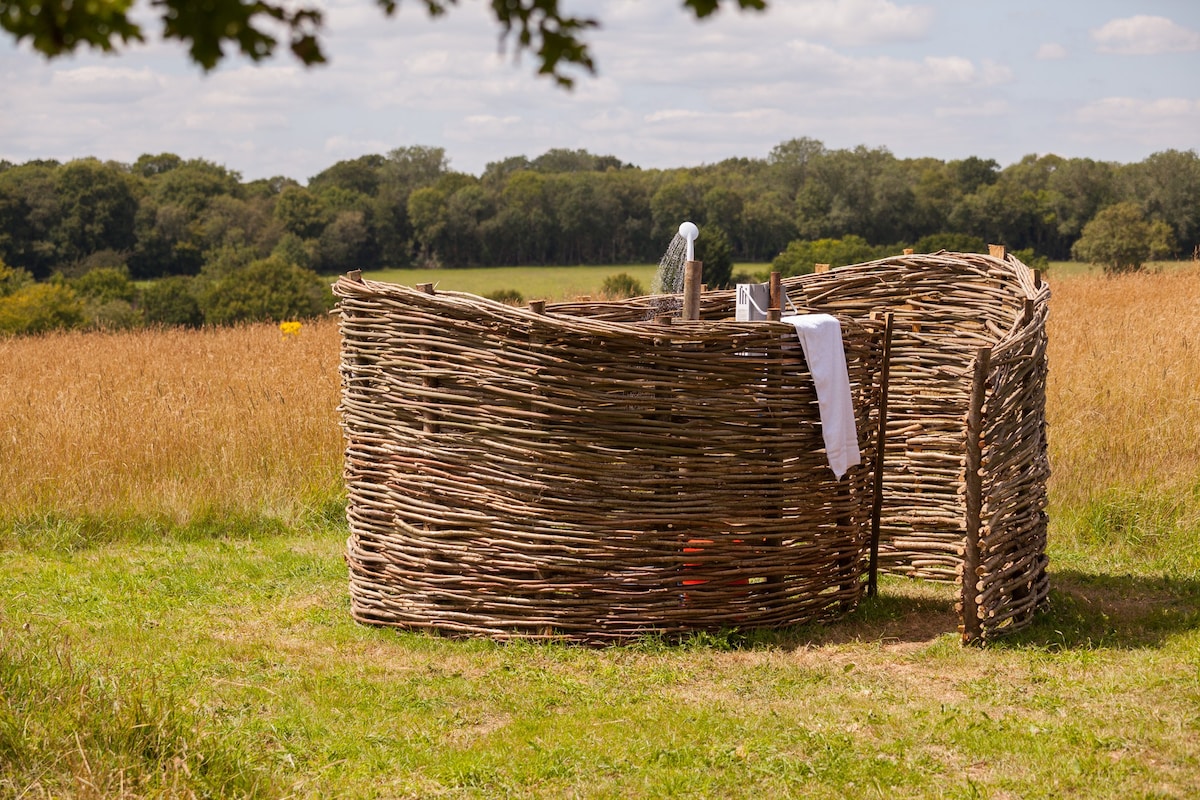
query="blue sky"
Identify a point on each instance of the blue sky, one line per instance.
(1105, 79)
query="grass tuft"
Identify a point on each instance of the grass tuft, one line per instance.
(67, 731)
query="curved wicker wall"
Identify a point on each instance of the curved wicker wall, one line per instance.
(960, 495)
(591, 475)
(516, 474)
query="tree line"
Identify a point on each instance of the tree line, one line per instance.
(164, 216)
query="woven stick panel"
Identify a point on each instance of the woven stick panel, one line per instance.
(1011, 580)
(512, 474)
(946, 306)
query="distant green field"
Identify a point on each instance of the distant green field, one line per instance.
(1064, 268)
(561, 282)
(534, 283)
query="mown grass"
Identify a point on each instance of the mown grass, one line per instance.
(174, 620)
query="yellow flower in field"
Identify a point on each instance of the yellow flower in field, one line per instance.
(289, 329)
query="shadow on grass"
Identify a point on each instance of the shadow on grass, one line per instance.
(1089, 611)
(1085, 611)
(903, 612)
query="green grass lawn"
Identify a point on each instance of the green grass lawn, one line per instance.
(1070, 268)
(565, 283)
(216, 657)
(230, 666)
(534, 283)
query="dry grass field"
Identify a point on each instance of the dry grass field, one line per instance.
(177, 423)
(170, 424)
(1124, 412)
(174, 617)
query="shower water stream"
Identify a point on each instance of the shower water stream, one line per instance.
(668, 280)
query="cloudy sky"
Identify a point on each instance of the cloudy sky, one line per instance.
(1106, 79)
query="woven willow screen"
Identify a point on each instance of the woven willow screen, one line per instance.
(591, 474)
(965, 466)
(552, 475)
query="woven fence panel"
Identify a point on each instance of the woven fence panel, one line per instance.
(945, 307)
(1011, 580)
(576, 476)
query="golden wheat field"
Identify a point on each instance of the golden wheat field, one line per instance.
(172, 423)
(1124, 393)
(169, 422)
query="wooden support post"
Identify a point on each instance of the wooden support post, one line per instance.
(774, 314)
(885, 370)
(972, 628)
(908, 251)
(355, 275)
(1037, 279)
(537, 306)
(776, 290)
(662, 319)
(430, 423)
(820, 268)
(997, 251)
(692, 272)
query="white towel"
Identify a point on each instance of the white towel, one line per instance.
(821, 338)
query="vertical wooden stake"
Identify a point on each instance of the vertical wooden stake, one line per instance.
(776, 290)
(997, 251)
(972, 630)
(820, 268)
(355, 275)
(537, 306)
(908, 251)
(430, 424)
(692, 272)
(774, 315)
(885, 370)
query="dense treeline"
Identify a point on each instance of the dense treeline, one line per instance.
(165, 216)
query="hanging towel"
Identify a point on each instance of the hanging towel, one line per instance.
(821, 338)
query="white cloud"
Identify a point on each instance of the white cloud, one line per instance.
(988, 108)
(910, 75)
(103, 84)
(341, 146)
(1159, 124)
(806, 73)
(1051, 51)
(490, 121)
(853, 22)
(1132, 111)
(1145, 36)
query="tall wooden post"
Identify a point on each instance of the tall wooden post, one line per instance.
(430, 419)
(776, 289)
(880, 448)
(972, 628)
(692, 278)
